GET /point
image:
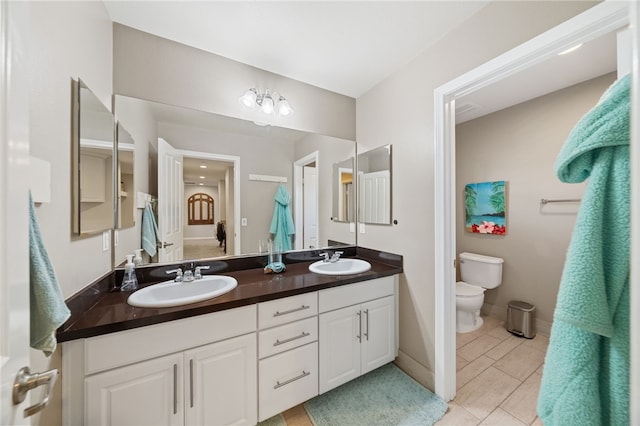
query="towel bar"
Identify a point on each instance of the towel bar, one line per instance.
(544, 201)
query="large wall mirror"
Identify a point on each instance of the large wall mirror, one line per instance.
(240, 167)
(374, 180)
(125, 212)
(92, 163)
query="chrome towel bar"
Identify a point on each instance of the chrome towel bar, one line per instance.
(544, 201)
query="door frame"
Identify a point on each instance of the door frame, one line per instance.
(593, 23)
(237, 249)
(298, 204)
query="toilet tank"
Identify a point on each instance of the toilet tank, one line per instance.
(480, 270)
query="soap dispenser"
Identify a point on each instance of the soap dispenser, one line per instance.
(137, 260)
(130, 281)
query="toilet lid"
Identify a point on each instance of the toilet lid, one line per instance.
(463, 289)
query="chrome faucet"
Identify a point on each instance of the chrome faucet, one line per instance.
(334, 257)
(178, 272)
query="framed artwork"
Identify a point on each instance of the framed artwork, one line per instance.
(485, 211)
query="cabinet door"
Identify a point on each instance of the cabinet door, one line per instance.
(340, 335)
(221, 383)
(146, 393)
(377, 333)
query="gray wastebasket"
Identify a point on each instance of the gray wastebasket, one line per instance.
(521, 319)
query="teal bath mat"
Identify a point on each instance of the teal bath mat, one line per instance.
(385, 396)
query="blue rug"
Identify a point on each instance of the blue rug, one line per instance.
(385, 396)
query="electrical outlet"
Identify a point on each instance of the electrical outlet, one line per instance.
(362, 228)
(352, 227)
(116, 239)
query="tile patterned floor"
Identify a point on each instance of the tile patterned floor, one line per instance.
(498, 380)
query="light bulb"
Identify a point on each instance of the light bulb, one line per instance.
(248, 100)
(284, 108)
(267, 104)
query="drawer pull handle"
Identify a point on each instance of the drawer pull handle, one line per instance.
(279, 385)
(359, 336)
(290, 311)
(291, 339)
(175, 388)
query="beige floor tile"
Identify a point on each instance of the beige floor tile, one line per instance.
(540, 343)
(477, 347)
(500, 332)
(540, 369)
(486, 392)
(523, 401)
(501, 418)
(489, 323)
(520, 362)
(472, 370)
(464, 338)
(297, 416)
(461, 363)
(457, 416)
(504, 347)
(537, 422)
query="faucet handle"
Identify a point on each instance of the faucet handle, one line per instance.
(198, 271)
(178, 272)
(336, 256)
(325, 255)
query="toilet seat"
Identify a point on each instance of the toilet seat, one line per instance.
(467, 290)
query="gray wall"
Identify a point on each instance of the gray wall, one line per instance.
(400, 111)
(519, 145)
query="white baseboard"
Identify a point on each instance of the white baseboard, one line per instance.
(417, 371)
(500, 312)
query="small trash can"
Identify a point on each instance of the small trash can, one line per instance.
(521, 319)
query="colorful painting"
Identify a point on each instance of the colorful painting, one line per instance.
(485, 208)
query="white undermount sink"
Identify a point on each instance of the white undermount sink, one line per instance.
(170, 293)
(341, 267)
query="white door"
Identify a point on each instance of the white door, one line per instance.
(310, 203)
(221, 383)
(170, 202)
(378, 341)
(14, 248)
(376, 197)
(340, 333)
(146, 393)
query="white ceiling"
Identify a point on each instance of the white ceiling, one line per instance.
(344, 46)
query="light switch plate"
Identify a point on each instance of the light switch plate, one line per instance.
(352, 227)
(106, 240)
(244, 221)
(362, 228)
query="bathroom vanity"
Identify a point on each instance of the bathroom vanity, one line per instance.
(273, 342)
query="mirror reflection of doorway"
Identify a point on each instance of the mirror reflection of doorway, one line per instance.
(207, 233)
(306, 202)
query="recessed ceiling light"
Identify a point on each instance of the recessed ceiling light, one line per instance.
(201, 177)
(571, 49)
(203, 166)
(201, 184)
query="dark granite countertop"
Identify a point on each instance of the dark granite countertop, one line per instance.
(101, 308)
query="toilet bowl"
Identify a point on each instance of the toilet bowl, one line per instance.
(469, 300)
(478, 273)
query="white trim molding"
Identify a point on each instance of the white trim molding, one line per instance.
(593, 23)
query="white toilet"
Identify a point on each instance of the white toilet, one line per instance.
(478, 274)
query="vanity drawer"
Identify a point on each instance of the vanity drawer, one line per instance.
(353, 294)
(288, 309)
(288, 336)
(287, 379)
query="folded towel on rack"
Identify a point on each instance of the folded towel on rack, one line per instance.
(586, 372)
(149, 231)
(48, 309)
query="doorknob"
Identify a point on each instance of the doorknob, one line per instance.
(25, 381)
(164, 244)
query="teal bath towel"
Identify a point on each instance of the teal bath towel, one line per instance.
(149, 231)
(282, 223)
(586, 371)
(48, 310)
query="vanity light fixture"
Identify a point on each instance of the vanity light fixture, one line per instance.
(264, 101)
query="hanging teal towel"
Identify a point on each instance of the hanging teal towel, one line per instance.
(149, 231)
(48, 310)
(282, 223)
(586, 371)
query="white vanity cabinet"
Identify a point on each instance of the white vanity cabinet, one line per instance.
(288, 353)
(357, 330)
(184, 372)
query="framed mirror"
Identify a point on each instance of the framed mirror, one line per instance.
(92, 152)
(241, 167)
(125, 212)
(344, 191)
(374, 186)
